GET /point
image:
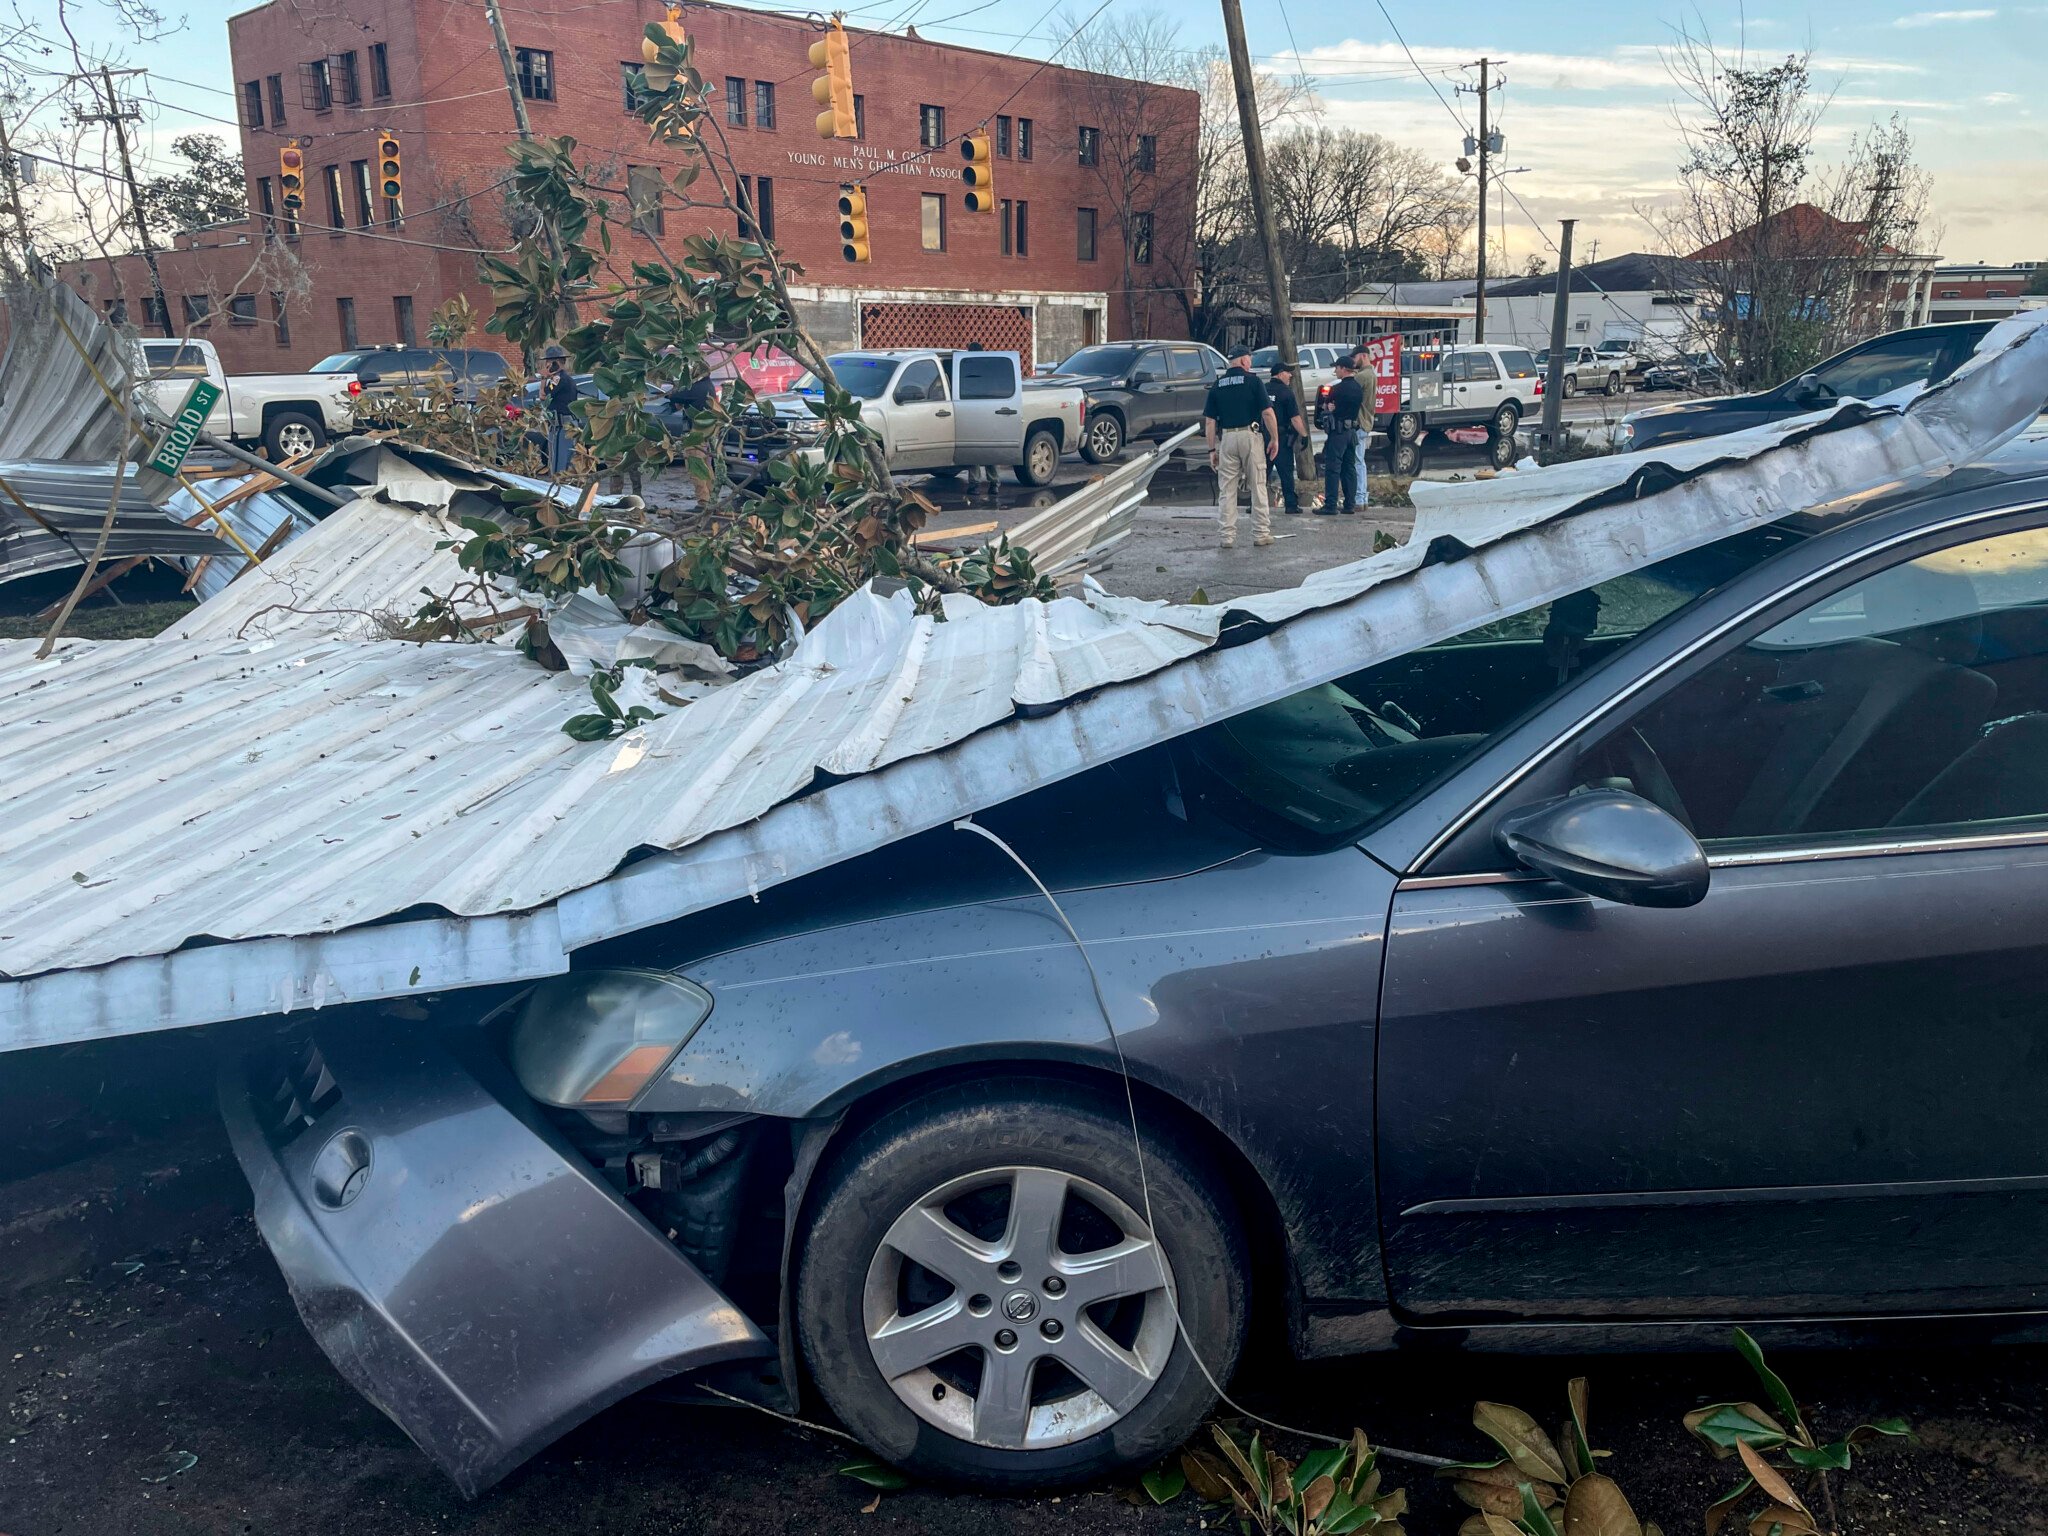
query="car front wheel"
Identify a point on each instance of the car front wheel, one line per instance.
(985, 1297)
(292, 435)
(1570, 387)
(1614, 384)
(1104, 439)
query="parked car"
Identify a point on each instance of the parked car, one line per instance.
(387, 371)
(1584, 369)
(1923, 354)
(1137, 390)
(934, 410)
(286, 414)
(1629, 353)
(1453, 996)
(1318, 368)
(1697, 371)
(1472, 385)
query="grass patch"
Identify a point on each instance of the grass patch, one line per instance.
(130, 621)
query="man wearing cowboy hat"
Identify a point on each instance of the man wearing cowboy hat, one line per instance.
(559, 392)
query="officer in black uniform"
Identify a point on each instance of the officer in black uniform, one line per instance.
(1236, 411)
(1286, 405)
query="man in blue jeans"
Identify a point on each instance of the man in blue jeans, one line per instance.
(1342, 454)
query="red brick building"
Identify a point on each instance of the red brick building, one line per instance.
(1045, 275)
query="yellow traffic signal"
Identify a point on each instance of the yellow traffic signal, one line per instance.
(833, 90)
(291, 176)
(979, 173)
(853, 223)
(390, 174)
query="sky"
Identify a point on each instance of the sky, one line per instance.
(1587, 109)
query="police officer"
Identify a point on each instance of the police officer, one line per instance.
(1237, 410)
(1286, 406)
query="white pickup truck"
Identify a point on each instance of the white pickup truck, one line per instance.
(937, 410)
(287, 414)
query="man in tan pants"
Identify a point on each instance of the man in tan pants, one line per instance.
(1236, 407)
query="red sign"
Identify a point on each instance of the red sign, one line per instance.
(1385, 357)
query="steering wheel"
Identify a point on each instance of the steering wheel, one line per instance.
(1638, 760)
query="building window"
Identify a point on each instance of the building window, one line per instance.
(536, 74)
(860, 116)
(280, 319)
(401, 311)
(933, 228)
(198, 308)
(1023, 138)
(735, 102)
(117, 311)
(347, 89)
(1023, 228)
(266, 205)
(1006, 213)
(154, 315)
(630, 82)
(345, 312)
(1084, 234)
(643, 194)
(332, 173)
(366, 199)
(318, 91)
(931, 126)
(380, 72)
(1091, 146)
(764, 103)
(1141, 239)
(757, 208)
(252, 103)
(1995, 293)
(1148, 153)
(394, 213)
(275, 83)
(1003, 137)
(242, 309)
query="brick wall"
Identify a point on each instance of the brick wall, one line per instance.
(447, 101)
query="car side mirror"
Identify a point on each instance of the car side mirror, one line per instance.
(1144, 376)
(906, 394)
(1805, 387)
(1612, 844)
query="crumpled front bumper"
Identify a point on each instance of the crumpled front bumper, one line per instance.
(464, 1269)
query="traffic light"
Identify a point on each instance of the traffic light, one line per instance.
(833, 90)
(979, 173)
(291, 177)
(390, 175)
(853, 223)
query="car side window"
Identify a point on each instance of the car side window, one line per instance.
(1480, 365)
(1888, 364)
(1186, 363)
(923, 376)
(1520, 364)
(175, 361)
(1916, 698)
(983, 377)
(1152, 361)
(1454, 369)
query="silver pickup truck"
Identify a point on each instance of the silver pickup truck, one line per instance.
(934, 410)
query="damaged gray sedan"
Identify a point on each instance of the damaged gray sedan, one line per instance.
(1595, 975)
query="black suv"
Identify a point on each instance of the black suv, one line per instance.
(392, 370)
(1923, 354)
(1139, 389)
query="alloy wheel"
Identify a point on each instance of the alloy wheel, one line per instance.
(1045, 460)
(295, 438)
(1019, 1308)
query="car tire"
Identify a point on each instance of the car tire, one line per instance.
(1613, 384)
(1404, 460)
(965, 1152)
(288, 434)
(1504, 421)
(1041, 459)
(1500, 451)
(1103, 438)
(1407, 427)
(1570, 386)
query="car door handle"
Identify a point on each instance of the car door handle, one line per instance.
(942, 413)
(1006, 410)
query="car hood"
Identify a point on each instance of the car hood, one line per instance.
(1717, 406)
(1074, 381)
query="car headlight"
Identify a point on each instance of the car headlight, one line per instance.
(595, 1039)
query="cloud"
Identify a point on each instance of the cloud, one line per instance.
(1941, 18)
(1999, 99)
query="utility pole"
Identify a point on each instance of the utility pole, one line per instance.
(1262, 206)
(504, 46)
(1485, 150)
(1553, 387)
(10, 179)
(119, 121)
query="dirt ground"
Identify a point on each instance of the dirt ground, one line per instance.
(155, 1381)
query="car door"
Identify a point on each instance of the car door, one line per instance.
(986, 426)
(174, 366)
(921, 417)
(1151, 401)
(1818, 1091)
(1191, 377)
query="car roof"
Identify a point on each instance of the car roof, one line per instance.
(2011, 475)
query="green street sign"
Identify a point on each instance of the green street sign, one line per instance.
(200, 400)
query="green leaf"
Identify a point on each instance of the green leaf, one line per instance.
(1822, 1458)
(1534, 1519)
(587, 727)
(1315, 1464)
(1528, 1447)
(875, 1474)
(1163, 1485)
(1723, 1425)
(1774, 1388)
(1896, 1428)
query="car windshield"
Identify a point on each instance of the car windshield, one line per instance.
(1268, 358)
(1108, 361)
(1332, 762)
(339, 362)
(864, 378)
